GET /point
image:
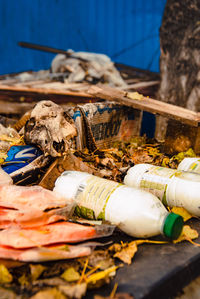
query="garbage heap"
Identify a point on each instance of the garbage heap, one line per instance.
(79, 186)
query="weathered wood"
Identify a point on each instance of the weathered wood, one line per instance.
(147, 104)
(9, 108)
(42, 90)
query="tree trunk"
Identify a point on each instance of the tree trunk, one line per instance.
(180, 58)
(180, 54)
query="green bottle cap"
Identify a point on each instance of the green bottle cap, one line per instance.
(173, 226)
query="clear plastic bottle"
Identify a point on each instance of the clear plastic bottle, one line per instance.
(136, 212)
(190, 165)
(173, 187)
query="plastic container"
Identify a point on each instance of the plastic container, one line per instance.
(136, 212)
(173, 187)
(190, 164)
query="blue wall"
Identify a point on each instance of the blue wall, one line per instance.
(126, 30)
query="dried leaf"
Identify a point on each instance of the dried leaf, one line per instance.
(182, 212)
(5, 276)
(180, 156)
(23, 280)
(52, 293)
(52, 282)
(101, 258)
(187, 234)
(139, 242)
(70, 275)
(135, 96)
(7, 294)
(127, 253)
(36, 271)
(165, 162)
(101, 275)
(76, 291)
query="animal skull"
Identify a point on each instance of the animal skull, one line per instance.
(50, 128)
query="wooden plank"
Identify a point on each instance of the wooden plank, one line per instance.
(147, 104)
(111, 94)
(40, 90)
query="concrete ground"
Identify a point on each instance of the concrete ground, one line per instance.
(191, 291)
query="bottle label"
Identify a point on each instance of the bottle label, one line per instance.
(195, 166)
(156, 180)
(92, 197)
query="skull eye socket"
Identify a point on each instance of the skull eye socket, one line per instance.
(59, 146)
(30, 124)
(47, 104)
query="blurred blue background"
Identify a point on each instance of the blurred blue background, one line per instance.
(126, 30)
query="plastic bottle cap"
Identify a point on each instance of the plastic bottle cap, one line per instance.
(173, 226)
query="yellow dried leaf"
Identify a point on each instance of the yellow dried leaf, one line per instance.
(187, 234)
(3, 157)
(76, 291)
(23, 280)
(36, 271)
(182, 212)
(135, 96)
(93, 278)
(12, 140)
(70, 275)
(127, 253)
(139, 242)
(52, 293)
(5, 276)
(165, 162)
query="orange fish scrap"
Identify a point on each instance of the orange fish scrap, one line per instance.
(34, 226)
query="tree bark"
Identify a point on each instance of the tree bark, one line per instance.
(180, 54)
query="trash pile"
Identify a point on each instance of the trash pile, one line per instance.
(77, 67)
(70, 176)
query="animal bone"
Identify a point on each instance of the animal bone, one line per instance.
(50, 128)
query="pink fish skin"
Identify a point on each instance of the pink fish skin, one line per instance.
(30, 219)
(42, 254)
(26, 198)
(60, 232)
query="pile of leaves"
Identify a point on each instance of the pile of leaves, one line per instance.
(72, 279)
(113, 163)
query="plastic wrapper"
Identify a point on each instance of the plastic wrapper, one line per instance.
(32, 218)
(36, 198)
(60, 232)
(42, 254)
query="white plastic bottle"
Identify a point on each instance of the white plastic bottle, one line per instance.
(190, 164)
(136, 212)
(173, 187)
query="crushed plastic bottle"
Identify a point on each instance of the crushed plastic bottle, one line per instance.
(190, 165)
(173, 187)
(136, 212)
